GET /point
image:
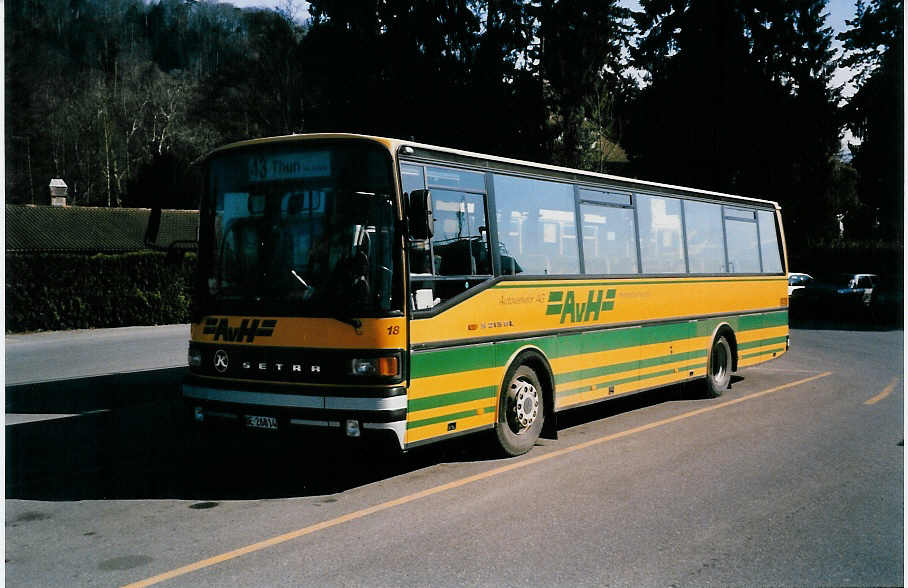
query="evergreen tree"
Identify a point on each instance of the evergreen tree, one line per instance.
(738, 99)
(581, 65)
(874, 46)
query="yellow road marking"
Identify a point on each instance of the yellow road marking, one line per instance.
(452, 485)
(886, 392)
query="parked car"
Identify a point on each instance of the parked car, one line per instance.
(837, 294)
(861, 286)
(797, 281)
(887, 301)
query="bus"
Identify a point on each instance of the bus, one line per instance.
(407, 293)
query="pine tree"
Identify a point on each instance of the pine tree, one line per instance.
(874, 46)
(738, 99)
(581, 64)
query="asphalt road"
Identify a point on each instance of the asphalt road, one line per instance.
(43, 357)
(793, 477)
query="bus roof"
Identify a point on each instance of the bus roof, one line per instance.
(438, 153)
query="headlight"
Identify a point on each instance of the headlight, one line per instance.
(376, 366)
(195, 357)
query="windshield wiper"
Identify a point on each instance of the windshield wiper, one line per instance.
(301, 280)
(353, 322)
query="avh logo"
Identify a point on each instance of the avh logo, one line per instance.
(248, 329)
(580, 312)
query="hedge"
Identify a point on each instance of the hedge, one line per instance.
(65, 291)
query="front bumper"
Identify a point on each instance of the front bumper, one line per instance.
(341, 408)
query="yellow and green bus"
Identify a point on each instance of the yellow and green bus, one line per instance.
(375, 287)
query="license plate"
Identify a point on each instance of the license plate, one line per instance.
(261, 422)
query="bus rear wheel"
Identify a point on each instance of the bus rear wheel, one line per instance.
(718, 369)
(520, 411)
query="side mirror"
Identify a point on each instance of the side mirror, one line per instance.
(419, 216)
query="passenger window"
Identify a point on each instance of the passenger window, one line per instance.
(769, 243)
(455, 179)
(609, 239)
(705, 242)
(459, 246)
(412, 178)
(536, 226)
(457, 257)
(743, 247)
(661, 248)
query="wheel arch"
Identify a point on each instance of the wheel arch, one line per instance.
(726, 329)
(535, 358)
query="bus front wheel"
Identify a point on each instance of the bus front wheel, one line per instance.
(520, 411)
(718, 370)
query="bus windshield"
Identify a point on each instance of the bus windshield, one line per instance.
(305, 230)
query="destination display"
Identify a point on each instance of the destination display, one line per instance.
(289, 166)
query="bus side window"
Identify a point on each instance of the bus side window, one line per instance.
(661, 249)
(537, 225)
(741, 238)
(457, 257)
(412, 177)
(460, 243)
(769, 242)
(609, 238)
(705, 243)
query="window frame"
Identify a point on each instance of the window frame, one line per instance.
(473, 282)
(614, 196)
(491, 174)
(631, 205)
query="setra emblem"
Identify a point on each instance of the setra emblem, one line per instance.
(221, 360)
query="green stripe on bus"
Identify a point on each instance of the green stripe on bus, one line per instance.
(666, 333)
(761, 343)
(695, 366)
(616, 368)
(475, 357)
(451, 398)
(705, 327)
(775, 319)
(575, 391)
(562, 395)
(450, 361)
(767, 352)
(644, 377)
(596, 341)
(448, 417)
(751, 322)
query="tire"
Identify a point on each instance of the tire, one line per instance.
(521, 411)
(718, 367)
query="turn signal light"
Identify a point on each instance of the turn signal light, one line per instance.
(377, 366)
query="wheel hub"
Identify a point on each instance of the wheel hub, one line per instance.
(526, 403)
(718, 363)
